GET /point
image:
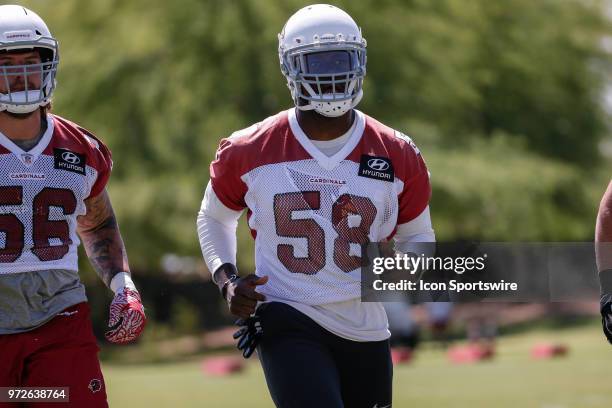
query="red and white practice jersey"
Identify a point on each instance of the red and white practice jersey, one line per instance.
(42, 191)
(310, 213)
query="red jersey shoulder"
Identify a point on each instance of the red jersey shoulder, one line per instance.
(266, 142)
(257, 136)
(391, 139)
(408, 164)
(383, 141)
(70, 136)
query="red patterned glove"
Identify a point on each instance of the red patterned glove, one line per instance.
(127, 317)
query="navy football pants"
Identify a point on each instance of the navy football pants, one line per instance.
(308, 366)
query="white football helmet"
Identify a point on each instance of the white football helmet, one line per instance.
(323, 56)
(22, 29)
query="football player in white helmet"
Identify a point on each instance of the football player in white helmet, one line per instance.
(319, 180)
(603, 249)
(323, 56)
(52, 192)
(26, 87)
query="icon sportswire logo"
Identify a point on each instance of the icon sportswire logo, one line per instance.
(378, 164)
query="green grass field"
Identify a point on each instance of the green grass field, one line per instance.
(512, 379)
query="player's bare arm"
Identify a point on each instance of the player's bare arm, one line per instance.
(603, 250)
(101, 238)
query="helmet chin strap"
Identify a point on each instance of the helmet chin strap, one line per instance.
(21, 98)
(21, 109)
(22, 116)
(331, 108)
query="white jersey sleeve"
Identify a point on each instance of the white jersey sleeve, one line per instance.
(410, 234)
(217, 231)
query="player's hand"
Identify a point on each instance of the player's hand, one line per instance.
(248, 335)
(241, 296)
(606, 315)
(127, 318)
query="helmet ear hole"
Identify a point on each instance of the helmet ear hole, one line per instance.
(46, 55)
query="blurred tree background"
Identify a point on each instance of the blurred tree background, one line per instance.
(505, 100)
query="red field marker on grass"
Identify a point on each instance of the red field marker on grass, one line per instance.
(222, 366)
(544, 351)
(470, 353)
(401, 355)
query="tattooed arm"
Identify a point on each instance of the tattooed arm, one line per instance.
(99, 232)
(100, 235)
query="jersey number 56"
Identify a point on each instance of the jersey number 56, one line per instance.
(43, 229)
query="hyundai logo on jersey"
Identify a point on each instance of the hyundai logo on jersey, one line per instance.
(378, 168)
(69, 161)
(71, 157)
(378, 164)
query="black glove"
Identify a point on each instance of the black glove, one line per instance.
(248, 335)
(606, 315)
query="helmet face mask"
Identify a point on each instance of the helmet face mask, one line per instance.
(326, 79)
(25, 87)
(324, 70)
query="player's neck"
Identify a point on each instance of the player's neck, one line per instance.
(20, 127)
(319, 127)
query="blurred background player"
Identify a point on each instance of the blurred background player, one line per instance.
(439, 314)
(603, 249)
(406, 328)
(52, 186)
(319, 180)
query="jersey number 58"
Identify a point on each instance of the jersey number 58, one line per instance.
(346, 205)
